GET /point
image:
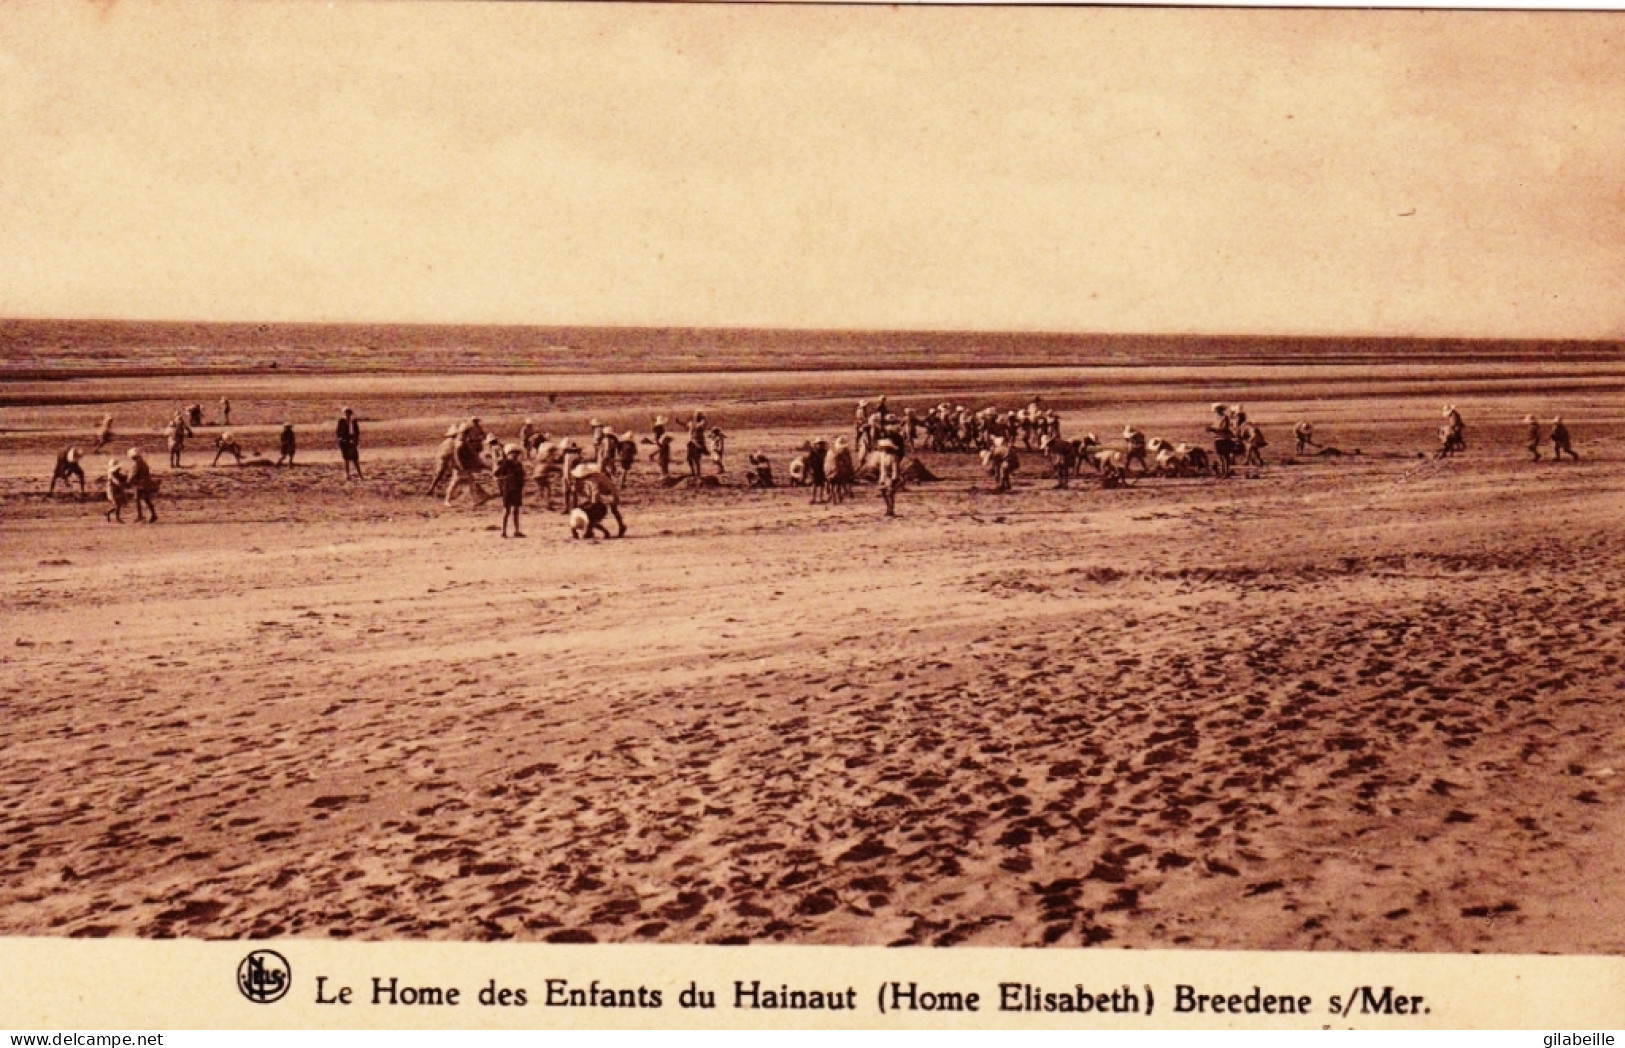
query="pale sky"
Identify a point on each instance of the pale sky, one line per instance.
(1291, 172)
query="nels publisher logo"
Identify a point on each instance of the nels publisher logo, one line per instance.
(264, 976)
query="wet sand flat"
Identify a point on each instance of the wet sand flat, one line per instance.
(1353, 702)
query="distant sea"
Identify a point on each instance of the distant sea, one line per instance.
(67, 348)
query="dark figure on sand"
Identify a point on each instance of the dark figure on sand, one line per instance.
(890, 447)
(348, 433)
(104, 433)
(817, 476)
(1560, 442)
(144, 486)
(761, 471)
(591, 484)
(1532, 438)
(661, 455)
(118, 491)
(226, 444)
(67, 467)
(175, 439)
(586, 519)
(510, 477)
(1453, 434)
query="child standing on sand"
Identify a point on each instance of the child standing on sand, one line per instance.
(510, 476)
(118, 490)
(1532, 437)
(143, 485)
(719, 440)
(1560, 442)
(661, 455)
(348, 435)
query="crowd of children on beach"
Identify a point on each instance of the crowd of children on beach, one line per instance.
(590, 478)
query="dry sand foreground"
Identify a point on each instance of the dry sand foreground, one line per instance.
(1358, 703)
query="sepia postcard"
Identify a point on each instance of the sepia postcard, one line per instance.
(707, 515)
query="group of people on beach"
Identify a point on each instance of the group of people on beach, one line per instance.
(880, 442)
(128, 481)
(957, 427)
(1453, 436)
(131, 479)
(469, 453)
(182, 426)
(590, 476)
(138, 485)
(1559, 436)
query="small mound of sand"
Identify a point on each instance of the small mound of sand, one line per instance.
(913, 471)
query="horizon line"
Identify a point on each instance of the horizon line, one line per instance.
(793, 330)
